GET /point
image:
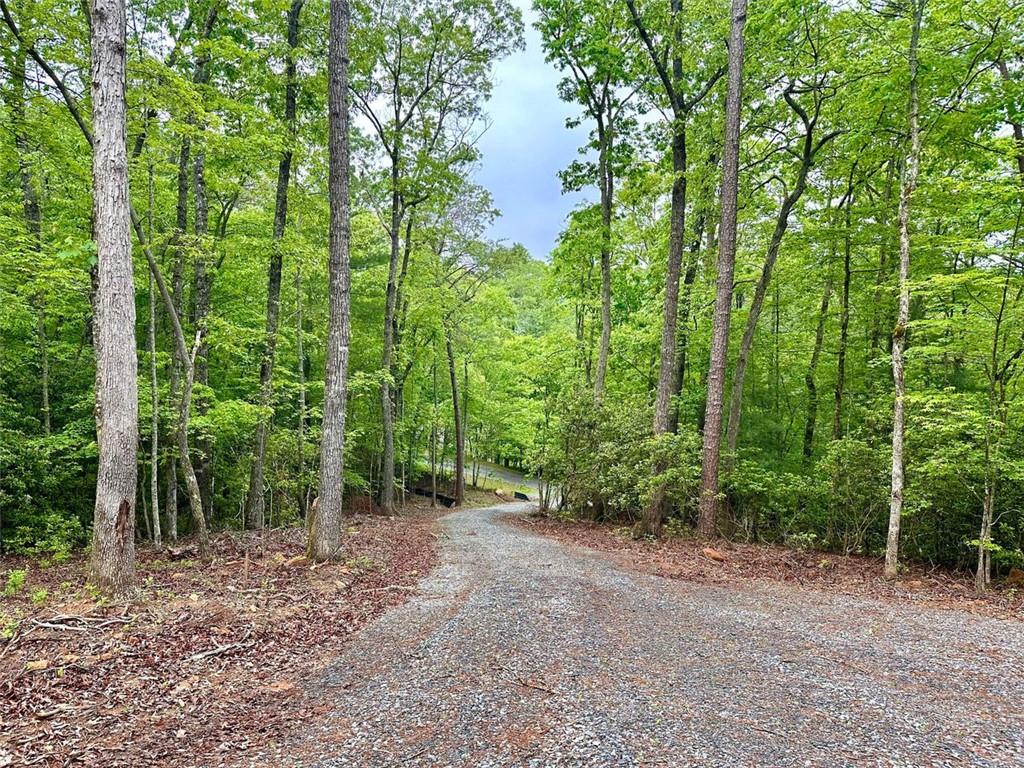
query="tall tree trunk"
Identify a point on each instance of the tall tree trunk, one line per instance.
(812, 368)
(668, 372)
(387, 482)
(88, 134)
(607, 192)
(401, 315)
(709, 501)
(202, 311)
(201, 77)
(994, 425)
(1015, 125)
(325, 530)
(656, 509)
(178, 301)
(899, 334)
(254, 500)
(460, 435)
(154, 392)
(303, 490)
(677, 214)
(112, 566)
(844, 320)
(433, 434)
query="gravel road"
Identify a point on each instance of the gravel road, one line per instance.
(520, 651)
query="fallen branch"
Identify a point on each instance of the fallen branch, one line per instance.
(243, 643)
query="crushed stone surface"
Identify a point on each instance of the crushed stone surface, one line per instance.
(521, 651)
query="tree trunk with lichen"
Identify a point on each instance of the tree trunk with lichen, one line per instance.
(899, 335)
(713, 412)
(325, 526)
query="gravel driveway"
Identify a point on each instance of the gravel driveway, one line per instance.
(519, 651)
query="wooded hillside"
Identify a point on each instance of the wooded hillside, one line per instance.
(794, 312)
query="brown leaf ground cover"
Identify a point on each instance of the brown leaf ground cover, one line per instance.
(207, 667)
(724, 562)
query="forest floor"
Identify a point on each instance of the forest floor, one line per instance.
(724, 562)
(206, 668)
(521, 650)
(487, 638)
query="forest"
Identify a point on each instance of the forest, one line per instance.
(247, 280)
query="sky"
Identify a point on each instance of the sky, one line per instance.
(525, 147)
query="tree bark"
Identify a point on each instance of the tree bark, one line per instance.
(254, 502)
(201, 77)
(672, 81)
(899, 334)
(112, 566)
(459, 491)
(325, 529)
(607, 193)
(709, 497)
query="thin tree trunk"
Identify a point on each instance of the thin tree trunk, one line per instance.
(686, 302)
(670, 309)
(254, 498)
(844, 320)
(325, 529)
(607, 192)
(178, 301)
(709, 497)
(899, 334)
(202, 312)
(154, 460)
(154, 393)
(44, 362)
(460, 437)
(812, 368)
(201, 77)
(387, 483)
(433, 435)
(112, 566)
(303, 492)
(761, 290)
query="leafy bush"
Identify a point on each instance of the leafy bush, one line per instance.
(52, 534)
(15, 581)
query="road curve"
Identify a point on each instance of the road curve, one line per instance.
(520, 651)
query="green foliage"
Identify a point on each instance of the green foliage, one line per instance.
(15, 581)
(52, 534)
